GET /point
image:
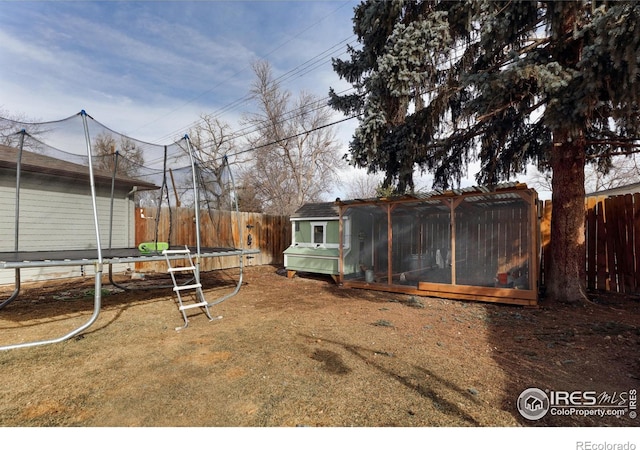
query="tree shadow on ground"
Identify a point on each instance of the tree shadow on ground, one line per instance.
(421, 380)
(575, 348)
(57, 301)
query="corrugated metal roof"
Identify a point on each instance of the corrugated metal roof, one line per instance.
(631, 188)
(478, 195)
(41, 164)
(433, 196)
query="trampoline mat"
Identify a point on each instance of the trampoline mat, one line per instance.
(117, 255)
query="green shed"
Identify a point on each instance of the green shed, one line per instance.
(479, 243)
(315, 240)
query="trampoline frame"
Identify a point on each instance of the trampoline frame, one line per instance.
(98, 256)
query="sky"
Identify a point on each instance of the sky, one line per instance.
(150, 69)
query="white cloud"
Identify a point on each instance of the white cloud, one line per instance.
(149, 69)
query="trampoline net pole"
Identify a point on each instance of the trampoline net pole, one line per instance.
(16, 245)
(196, 204)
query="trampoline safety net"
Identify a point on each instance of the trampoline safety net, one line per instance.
(154, 184)
(78, 194)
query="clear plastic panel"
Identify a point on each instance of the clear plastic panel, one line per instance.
(493, 242)
(411, 242)
(366, 258)
(421, 243)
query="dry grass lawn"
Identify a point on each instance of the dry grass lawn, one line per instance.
(304, 352)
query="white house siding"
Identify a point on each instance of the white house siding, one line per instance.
(58, 215)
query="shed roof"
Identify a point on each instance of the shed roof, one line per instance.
(631, 188)
(478, 194)
(42, 164)
(316, 210)
(505, 192)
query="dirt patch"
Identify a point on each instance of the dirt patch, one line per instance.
(305, 352)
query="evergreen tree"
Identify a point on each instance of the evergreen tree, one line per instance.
(439, 84)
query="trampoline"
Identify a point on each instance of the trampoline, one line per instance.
(56, 258)
(197, 183)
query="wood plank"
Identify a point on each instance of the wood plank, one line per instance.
(590, 242)
(621, 244)
(477, 290)
(636, 239)
(601, 248)
(411, 290)
(619, 232)
(545, 238)
(610, 223)
(630, 282)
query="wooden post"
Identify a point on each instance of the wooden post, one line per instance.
(545, 233)
(338, 280)
(175, 191)
(453, 204)
(636, 238)
(591, 241)
(601, 248)
(534, 244)
(389, 246)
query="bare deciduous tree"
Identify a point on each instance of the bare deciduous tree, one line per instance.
(11, 126)
(622, 170)
(295, 157)
(362, 185)
(214, 147)
(130, 157)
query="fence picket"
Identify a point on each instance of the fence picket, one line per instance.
(591, 231)
(612, 242)
(628, 245)
(601, 248)
(270, 234)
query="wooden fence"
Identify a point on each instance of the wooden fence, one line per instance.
(612, 237)
(271, 235)
(612, 241)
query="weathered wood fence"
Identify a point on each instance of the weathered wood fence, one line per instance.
(269, 234)
(612, 238)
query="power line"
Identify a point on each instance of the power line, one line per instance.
(236, 74)
(298, 71)
(289, 115)
(291, 136)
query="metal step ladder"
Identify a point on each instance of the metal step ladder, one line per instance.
(179, 289)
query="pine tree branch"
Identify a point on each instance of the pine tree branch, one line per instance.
(613, 154)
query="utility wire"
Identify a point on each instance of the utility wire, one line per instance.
(193, 99)
(287, 116)
(251, 149)
(297, 71)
